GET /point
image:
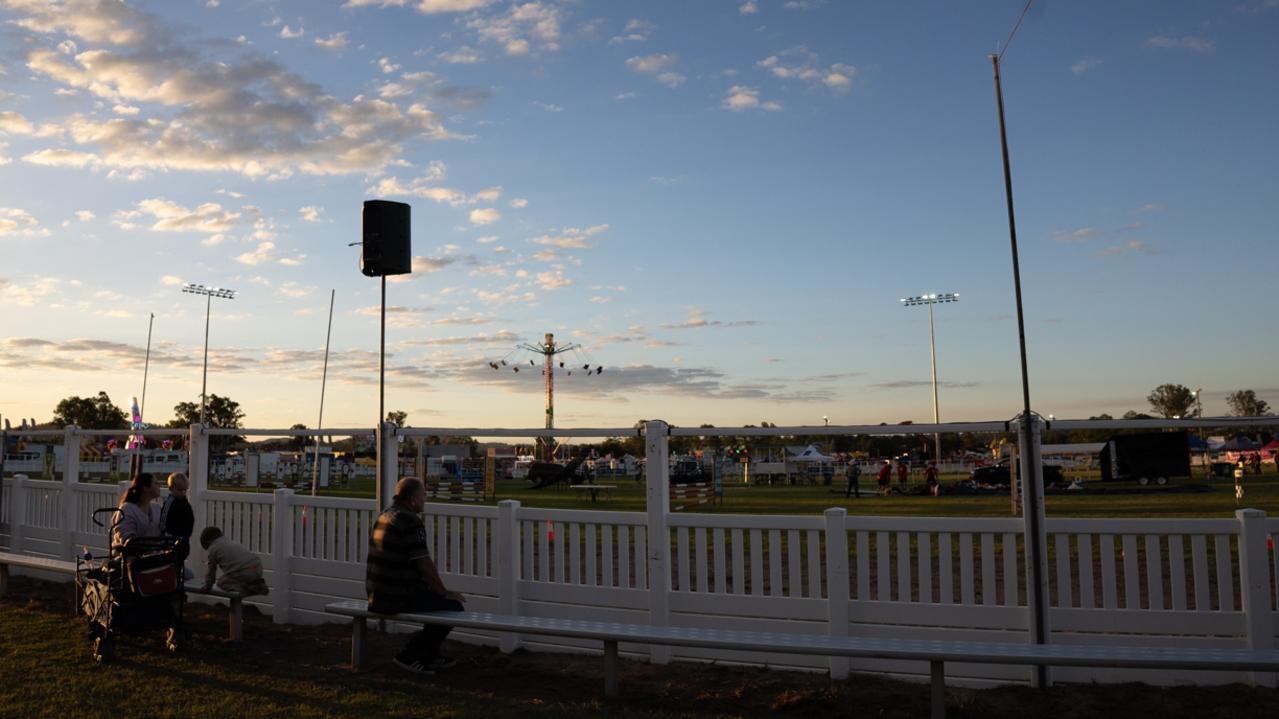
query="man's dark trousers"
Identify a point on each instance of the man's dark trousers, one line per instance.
(425, 644)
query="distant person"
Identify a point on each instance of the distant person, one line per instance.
(401, 577)
(903, 473)
(138, 517)
(854, 473)
(885, 477)
(1256, 462)
(930, 479)
(241, 569)
(177, 519)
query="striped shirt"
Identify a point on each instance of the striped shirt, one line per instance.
(399, 540)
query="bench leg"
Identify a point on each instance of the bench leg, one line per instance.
(235, 619)
(610, 668)
(937, 691)
(4, 579)
(357, 643)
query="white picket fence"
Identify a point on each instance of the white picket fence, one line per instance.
(1183, 582)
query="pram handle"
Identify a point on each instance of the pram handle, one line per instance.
(96, 512)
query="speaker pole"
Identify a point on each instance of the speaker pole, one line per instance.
(381, 368)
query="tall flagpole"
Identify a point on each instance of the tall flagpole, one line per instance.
(324, 378)
(146, 366)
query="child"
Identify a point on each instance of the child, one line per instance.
(176, 517)
(241, 569)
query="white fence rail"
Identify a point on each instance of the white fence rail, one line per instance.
(1185, 582)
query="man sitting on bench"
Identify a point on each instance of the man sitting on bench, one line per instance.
(401, 577)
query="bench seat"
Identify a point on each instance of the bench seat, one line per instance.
(935, 652)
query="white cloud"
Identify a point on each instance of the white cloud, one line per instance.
(426, 187)
(1078, 235)
(209, 217)
(311, 213)
(427, 265)
(126, 110)
(624, 96)
(333, 43)
(837, 77)
(553, 280)
(264, 252)
(671, 79)
(741, 97)
(387, 66)
(748, 8)
(485, 216)
(170, 280)
(651, 64)
(1152, 207)
(1128, 248)
(1085, 65)
(570, 237)
(15, 124)
(522, 28)
(486, 239)
(289, 33)
(1188, 42)
(548, 107)
(18, 222)
(518, 203)
(462, 56)
(84, 215)
(293, 289)
(4, 157)
(635, 31)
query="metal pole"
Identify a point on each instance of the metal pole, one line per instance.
(932, 353)
(204, 379)
(324, 377)
(142, 411)
(1031, 486)
(548, 350)
(381, 364)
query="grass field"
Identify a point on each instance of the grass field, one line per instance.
(292, 671)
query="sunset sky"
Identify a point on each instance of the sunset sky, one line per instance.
(721, 201)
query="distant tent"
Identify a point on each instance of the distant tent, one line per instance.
(1240, 444)
(1198, 445)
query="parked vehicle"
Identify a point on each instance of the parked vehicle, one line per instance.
(1148, 457)
(998, 473)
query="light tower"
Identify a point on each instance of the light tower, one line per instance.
(209, 293)
(931, 300)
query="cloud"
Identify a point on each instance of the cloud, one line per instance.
(387, 66)
(570, 237)
(748, 8)
(463, 98)
(169, 216)
(635, 31)
(838, 77)
(426, 7)
(170, 280)
(289, 33)
(553, 280)
(804, 4)
(1128, 248)
(522, 29)
(1078, 235)
(1085, 65)
(518, 203)
(84, 215)
(548, 107)
(20, 223)
(624, 96)
(1152, 207)
(205, 106)
(464, 55)
(651, 64)
(697, 320)
(485, 216)
(910, 383)
(311, 213)
(482, 338)
(294, 290)
(263, 253)
(333, 43)
(426, 187)
(1188, 42)
(13, 123)
(741, 97)
(426, 265)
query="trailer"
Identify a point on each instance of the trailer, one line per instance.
(1148, 457)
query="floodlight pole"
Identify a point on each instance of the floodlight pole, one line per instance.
(1029, 423)
(931, 300)
(209, 293)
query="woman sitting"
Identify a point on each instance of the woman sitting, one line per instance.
(139, 516)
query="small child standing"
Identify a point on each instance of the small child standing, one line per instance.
(177, 519)
(241, 569)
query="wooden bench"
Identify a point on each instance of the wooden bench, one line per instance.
(935, 652)
(235, 618)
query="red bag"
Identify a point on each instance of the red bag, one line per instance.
(153, 579)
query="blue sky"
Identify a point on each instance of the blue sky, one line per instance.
(721, 202)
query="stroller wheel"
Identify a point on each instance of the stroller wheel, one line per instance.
(103, 649)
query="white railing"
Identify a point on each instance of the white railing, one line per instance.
(1192, 582)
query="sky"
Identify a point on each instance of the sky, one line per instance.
(720, 202)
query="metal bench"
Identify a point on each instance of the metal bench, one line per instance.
(935, 652)
(235, 617)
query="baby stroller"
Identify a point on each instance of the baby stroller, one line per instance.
(137, 589)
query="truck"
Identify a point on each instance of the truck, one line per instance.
(1147, 457)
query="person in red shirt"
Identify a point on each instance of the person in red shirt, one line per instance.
(901, 476)
(930, 478)
(885, 476)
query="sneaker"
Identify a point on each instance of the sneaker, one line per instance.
(442, 662)
(412, 664)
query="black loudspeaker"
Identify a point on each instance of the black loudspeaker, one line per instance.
(387, 248)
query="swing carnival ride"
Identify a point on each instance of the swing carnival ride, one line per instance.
(544, 470)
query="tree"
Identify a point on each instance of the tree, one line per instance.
(1172, 400)
(90, 413)
(297, 444)
(1134, 414)
(1244, 403)
(221, 412)
(397, 418)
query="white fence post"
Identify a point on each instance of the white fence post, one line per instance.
(1254, 584)
(508, 567)
(17, 512)
(837, 591)
(281, 554)
(70, 477)
(658, 468)
(198, 485)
